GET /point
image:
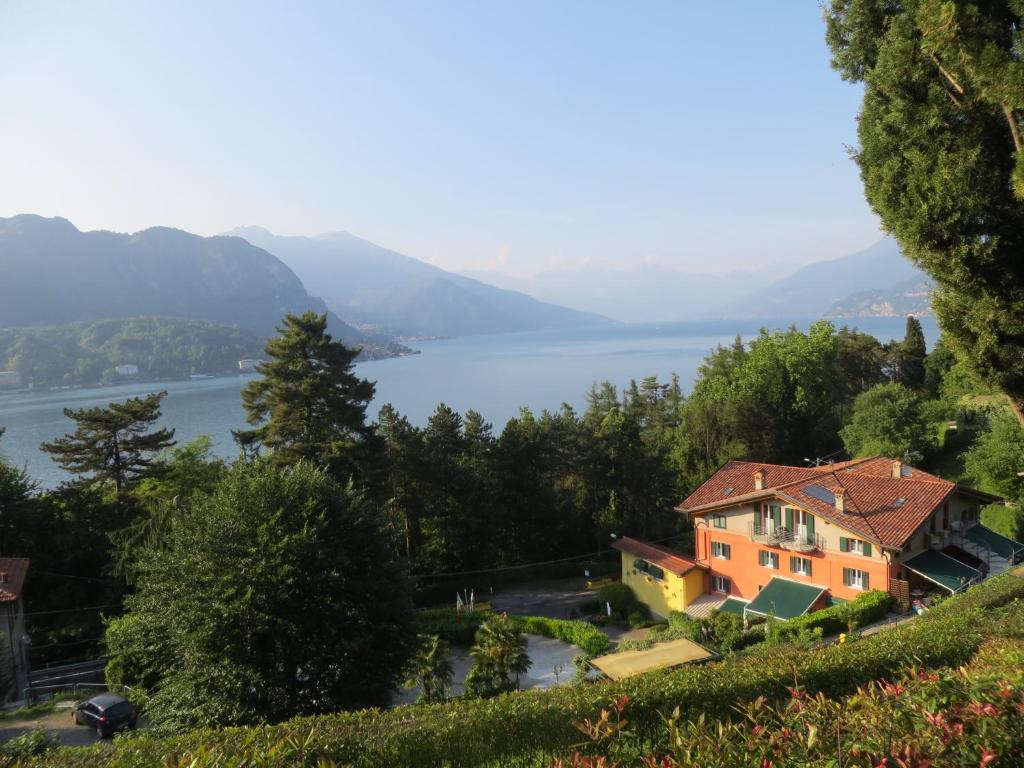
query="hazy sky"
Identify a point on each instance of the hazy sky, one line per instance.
(513, 135)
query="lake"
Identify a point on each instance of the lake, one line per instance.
(495, 375)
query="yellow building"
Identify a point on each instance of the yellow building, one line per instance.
(661, 579)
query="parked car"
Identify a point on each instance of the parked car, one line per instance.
(107, 713)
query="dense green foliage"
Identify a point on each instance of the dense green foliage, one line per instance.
(276, 595)
(308, 404)
(431, 669)
(499, 657)
(887, 420)
(583, 634)
(87, 353)
(942, 158)
(530, 728)
(952, 717)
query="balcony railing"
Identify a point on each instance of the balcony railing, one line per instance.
(784, 538)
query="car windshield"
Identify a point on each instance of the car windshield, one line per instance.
(120, 709)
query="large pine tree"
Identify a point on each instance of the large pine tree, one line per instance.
(308, 403)
(116, 444)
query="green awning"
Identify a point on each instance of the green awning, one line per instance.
(994, 542)
(785, 599)
(943, 570)
(732, 605)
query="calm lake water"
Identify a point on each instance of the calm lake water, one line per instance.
(495, 375)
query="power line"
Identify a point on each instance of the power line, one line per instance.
(70, 576)
(70, 610)
(527, 565)
(62, 645)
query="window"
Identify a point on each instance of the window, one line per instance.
(718, 521)
(854, 545)
(768, 559)
(800, 566)
(856, 578)
(720, 584)
(650, 570)
(720, 550)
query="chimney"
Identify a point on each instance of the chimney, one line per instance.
(897, 470)
(840, 494)
(759, 480)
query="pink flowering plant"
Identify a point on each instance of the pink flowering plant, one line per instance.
(971, 716)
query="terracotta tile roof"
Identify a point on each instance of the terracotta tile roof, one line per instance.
(15, 569)
(663, 557)
(878, 507)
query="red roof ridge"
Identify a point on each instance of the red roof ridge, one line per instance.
(671, 561)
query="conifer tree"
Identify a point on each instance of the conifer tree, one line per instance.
(942, 158)
(911, 355)
(308, 404)
(116, 444)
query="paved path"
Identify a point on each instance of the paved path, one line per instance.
(57, 722)
(553, 602)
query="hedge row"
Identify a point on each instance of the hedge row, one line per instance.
(865, 609)
(456, 629)
(580, 633)
(529, 728)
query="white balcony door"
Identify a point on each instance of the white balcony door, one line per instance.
(767, 521)
(801, 524)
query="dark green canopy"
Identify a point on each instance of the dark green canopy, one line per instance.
(943, 570)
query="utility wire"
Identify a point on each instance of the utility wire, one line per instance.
(527, 565)
(70, 610)
(71, 576)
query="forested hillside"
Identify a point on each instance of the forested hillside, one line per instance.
(86, 353)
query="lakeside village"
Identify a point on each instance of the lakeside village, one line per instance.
(13, 381)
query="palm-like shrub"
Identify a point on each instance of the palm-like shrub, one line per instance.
(431, 669)
(499, 657)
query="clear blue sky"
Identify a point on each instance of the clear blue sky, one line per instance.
(707, 136)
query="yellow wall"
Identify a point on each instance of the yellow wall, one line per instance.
(673, 593)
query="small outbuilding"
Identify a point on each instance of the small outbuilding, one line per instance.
(661, 579)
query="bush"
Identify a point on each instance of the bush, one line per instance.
(528, 727)
(580, 633)
(456, 629)
(1008, 521)
(866, 609)
(619, 596)
(25, 745)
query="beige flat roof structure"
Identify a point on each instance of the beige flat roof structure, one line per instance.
(660, 656)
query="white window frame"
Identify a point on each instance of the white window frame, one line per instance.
(805, 565)
(769, 560)
(859, 577)
(721, 584)
(720, 554)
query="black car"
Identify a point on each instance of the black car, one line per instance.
(107, 713)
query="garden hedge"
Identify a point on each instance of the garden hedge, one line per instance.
(529, 728)
(580, 633)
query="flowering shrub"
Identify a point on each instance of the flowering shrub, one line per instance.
(530, 728)
(972, 716)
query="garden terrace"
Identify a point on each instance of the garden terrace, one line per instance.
(531, 728)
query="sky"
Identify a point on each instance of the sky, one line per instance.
(516, 137)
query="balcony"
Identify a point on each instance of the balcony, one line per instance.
(784, 538)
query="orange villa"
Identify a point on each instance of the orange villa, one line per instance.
(788, 540)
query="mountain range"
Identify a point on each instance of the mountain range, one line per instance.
(655, 293)
(55, 273)
(374, 286)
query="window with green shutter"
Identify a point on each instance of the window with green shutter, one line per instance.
(718, 521)
(800, 566)
(866, 549)
(789, 519)
(844, 544)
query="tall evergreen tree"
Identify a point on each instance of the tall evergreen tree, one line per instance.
(912, 353)
(942, 158)
(308, 403)
(116, 444)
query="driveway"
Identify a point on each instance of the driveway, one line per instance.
(552, 601)
(57, 722)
